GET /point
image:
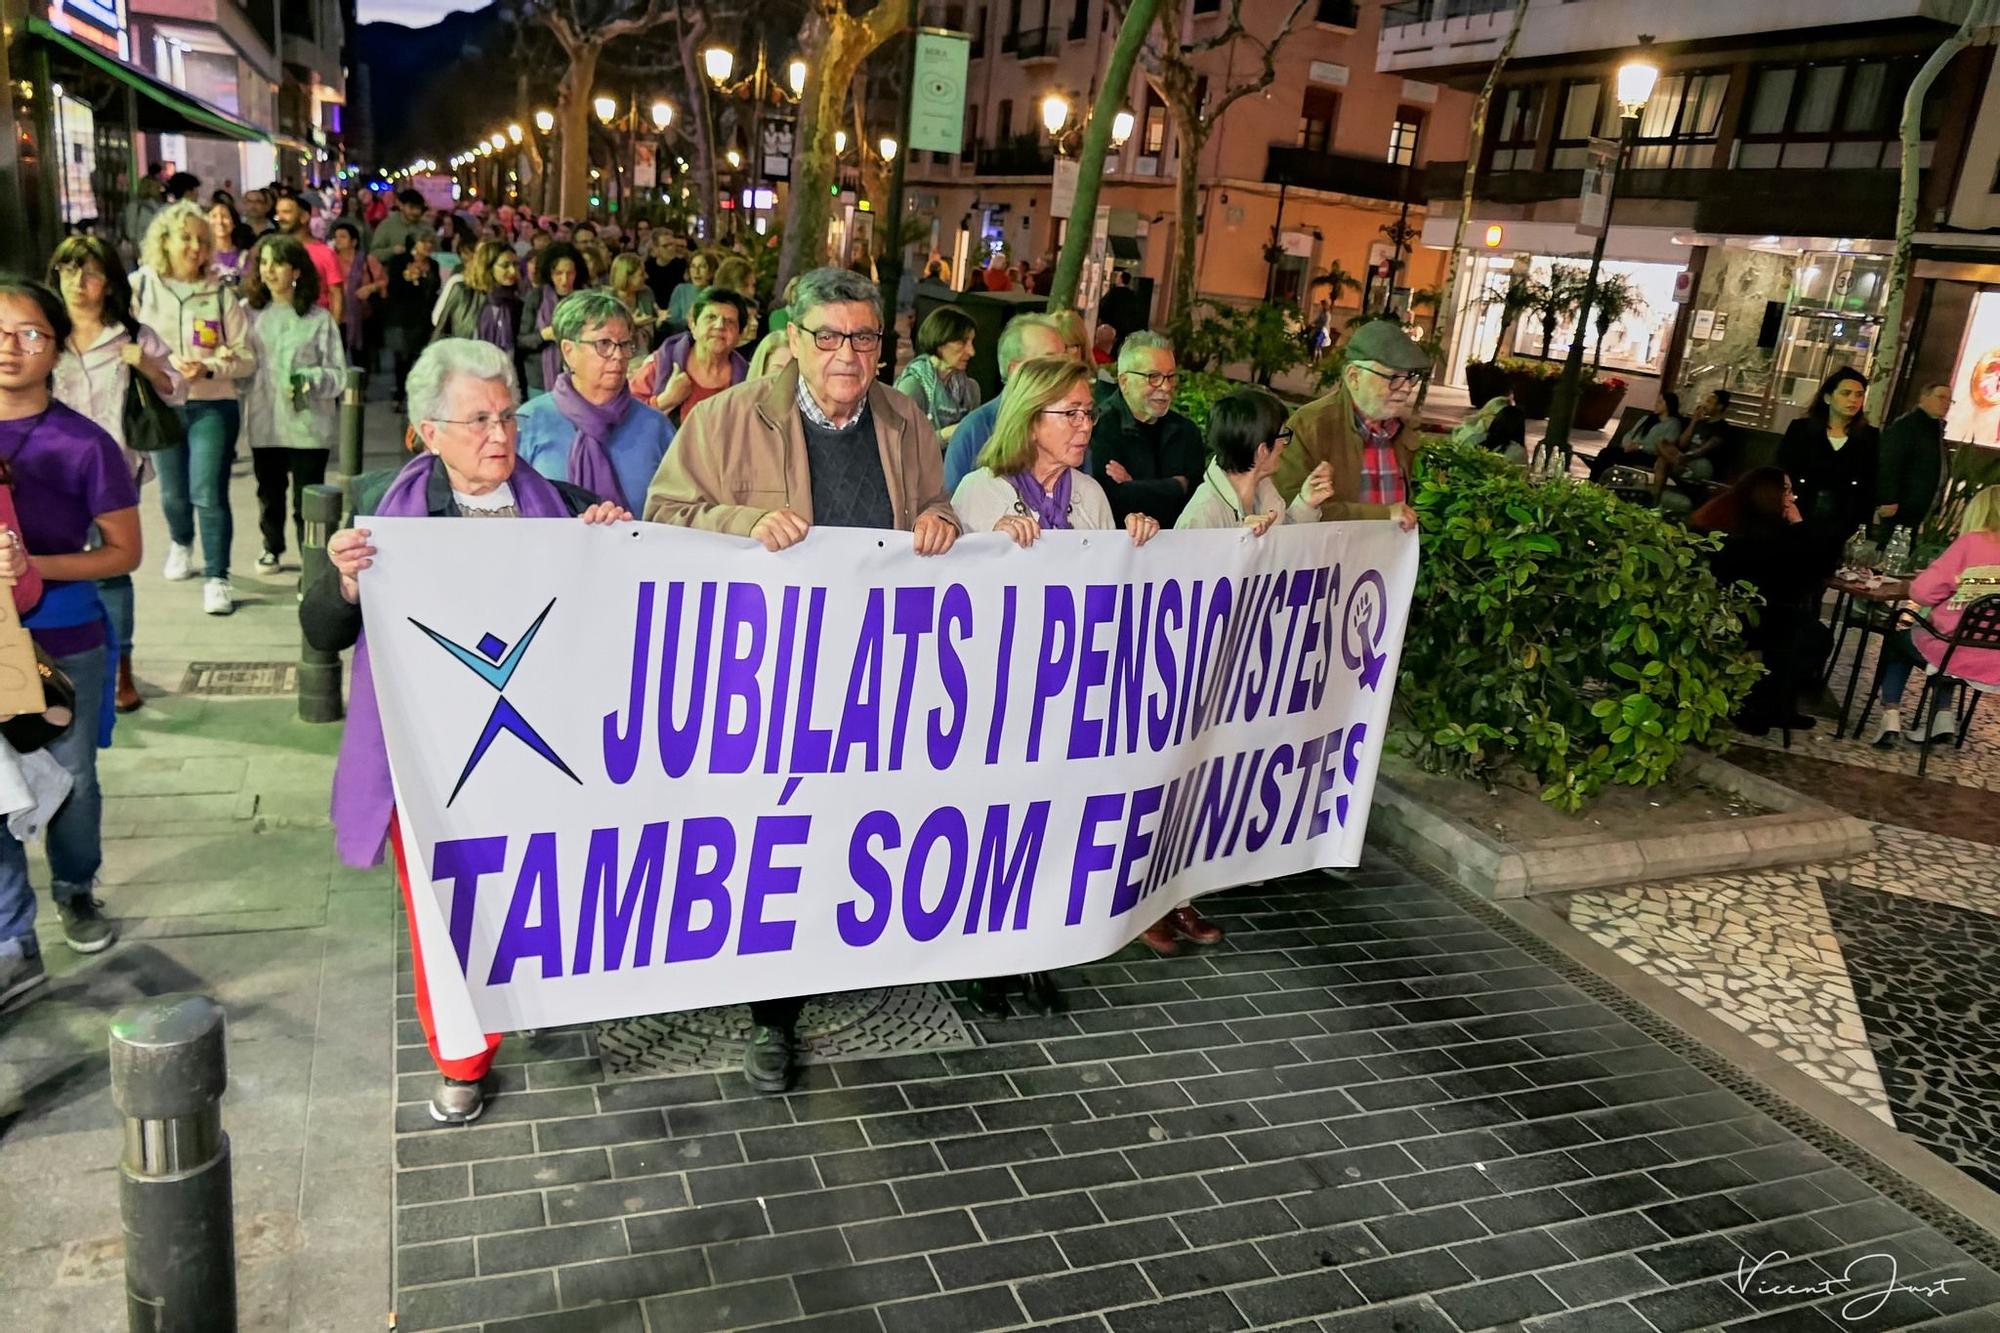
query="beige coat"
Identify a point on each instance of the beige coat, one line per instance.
(742, 454)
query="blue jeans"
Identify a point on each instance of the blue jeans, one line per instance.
(1900, 660)
(75, 841)
(194, 481)
(117, 595)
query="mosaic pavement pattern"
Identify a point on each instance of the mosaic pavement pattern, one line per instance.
(1867, 974)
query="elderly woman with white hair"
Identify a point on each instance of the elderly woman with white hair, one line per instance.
(463, 397)
(590, 429)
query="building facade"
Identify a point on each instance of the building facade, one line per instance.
(1321, 162)
(1756, 214)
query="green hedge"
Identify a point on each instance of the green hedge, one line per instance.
(1556, 626)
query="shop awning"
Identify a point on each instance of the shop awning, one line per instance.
(163, 108)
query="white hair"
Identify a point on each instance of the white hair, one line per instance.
(447, 359)
(1143, 341)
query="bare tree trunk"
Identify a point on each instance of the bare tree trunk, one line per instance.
(833, 44)
(700, 122)
(1096, 145)
(1890, 349)
(573, 128)
(1474, 149)
(1193, 136)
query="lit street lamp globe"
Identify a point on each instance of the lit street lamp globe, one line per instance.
(1121, 128)
(795, 74)
(888, 148)
(1635, 85)
(1055, 112)
(718, 61)
(607, 108)
(663, 115)
(514, 131)
(839, 142)
(545, 121)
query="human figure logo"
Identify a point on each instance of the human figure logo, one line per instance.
(486, 661)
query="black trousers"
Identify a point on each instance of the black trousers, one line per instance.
(780, 1014)
(275, 467)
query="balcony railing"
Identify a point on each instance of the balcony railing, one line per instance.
(1023, 156)
(1766, 201)
(1370, 178)
(1408, 13)
(1036, 44)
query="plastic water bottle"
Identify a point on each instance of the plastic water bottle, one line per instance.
(1896, 559)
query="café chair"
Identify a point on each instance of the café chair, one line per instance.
(1979, 627)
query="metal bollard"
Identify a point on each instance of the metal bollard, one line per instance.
(319, 673)
(168, 1073)
(352, 411)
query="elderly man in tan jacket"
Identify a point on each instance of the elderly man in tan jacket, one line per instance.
(1362, 429)
(823, 442)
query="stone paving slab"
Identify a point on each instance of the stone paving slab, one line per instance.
(1376, 1106)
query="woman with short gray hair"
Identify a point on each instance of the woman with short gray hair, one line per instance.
(589, 429)
(462, 404)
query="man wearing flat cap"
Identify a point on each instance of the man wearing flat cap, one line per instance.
(1362, 429)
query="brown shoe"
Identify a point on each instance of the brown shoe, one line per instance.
(1192, 925)
(1159, 937)
(129, 698)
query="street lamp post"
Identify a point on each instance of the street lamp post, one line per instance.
(719, 62)
(1635, 87)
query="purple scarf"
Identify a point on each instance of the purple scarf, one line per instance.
(590, 453)
(499, 316)
(552, 366)
(364, 800)
(1049, 508)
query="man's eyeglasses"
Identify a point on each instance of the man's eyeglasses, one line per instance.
(610, 349)
(484, 422)
(828, 340)
(1156, 379)
(1400, 381)
(27, 337)
(1076, 416)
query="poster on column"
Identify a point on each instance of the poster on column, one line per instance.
(642, 768)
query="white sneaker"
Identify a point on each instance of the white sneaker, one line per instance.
(1944, 724)
(180, 563)
(216, 598)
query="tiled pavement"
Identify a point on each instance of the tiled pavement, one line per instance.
(1874, 975)
(1377, 1106)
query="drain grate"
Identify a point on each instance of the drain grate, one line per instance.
(853, 1025)
(238, 679)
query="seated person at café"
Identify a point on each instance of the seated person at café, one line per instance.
(1640, 446)
(1968, 570)
(1766, 546)
(1707, 448)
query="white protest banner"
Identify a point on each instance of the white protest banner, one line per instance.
(641, 768)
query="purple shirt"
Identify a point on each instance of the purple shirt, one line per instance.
(66, 472)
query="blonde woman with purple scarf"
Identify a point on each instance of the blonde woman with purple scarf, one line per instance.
(462, 404)
(1030, 474)
(1031, 477)
(589, 429)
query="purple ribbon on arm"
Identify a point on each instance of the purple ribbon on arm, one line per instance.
(590, 452)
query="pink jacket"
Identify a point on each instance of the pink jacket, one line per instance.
(1968, 570)
(28, 588)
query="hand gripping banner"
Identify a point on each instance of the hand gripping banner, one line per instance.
(641, 768)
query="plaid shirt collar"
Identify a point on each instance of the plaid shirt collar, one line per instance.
(810, 407)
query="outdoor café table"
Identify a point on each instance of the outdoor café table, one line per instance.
(1879, 595)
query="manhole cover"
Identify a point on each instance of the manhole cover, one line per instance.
(241, 678)
(894, 1020)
